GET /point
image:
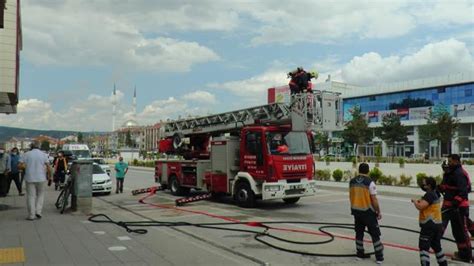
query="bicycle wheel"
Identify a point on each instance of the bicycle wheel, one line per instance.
(60, 200)
(67, 194)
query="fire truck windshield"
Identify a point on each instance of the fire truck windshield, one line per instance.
(288, 143)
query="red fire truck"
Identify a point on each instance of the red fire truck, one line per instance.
(263, 152)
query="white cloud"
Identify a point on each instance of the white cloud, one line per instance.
(94, 112)
(169, 54)
(254, 88)
(170, 108)
(77, 33)
(138, 33)
(329, 22)
(201, 97)
(434, 59)
(446, 12)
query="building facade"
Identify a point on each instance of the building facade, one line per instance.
(413, 101)
(150, 137)
(23, 144)
(10, 47)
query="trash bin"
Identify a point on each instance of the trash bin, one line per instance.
(81, 172)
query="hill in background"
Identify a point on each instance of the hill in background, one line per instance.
(7, 133)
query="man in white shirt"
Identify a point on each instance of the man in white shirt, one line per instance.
(35, 163)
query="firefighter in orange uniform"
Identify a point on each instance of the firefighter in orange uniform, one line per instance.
(431, 223)
(366, 211)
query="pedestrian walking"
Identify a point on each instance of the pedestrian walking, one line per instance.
(431, 223)
(455, 188)
(121, 169)
(366, 211)
(37, 172)
(14, 172)
(4, 171)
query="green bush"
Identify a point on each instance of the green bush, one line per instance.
(148, 163)
(404, 180)
(401, 161)
(354, 160)
(323, 174)
(337, 175)
(387, 180)
(419, 178)
(468, 162)
(347, 175)
(375, 174)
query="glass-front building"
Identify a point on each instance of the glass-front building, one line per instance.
(413, 101)
(415, 104)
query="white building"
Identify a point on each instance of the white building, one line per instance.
(412, 101)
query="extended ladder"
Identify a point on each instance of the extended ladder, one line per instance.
(317, 111)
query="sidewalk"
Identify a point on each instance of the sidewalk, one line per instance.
(70, 239)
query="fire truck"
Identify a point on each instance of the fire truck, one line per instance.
(258, 153)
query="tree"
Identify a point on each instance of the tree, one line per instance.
(323, 141)
(128, 140)
(45, 145)
(392, 130)
(357, 130)
(440, 126)
(80, 137)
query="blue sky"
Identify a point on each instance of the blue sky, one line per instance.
(208, 56)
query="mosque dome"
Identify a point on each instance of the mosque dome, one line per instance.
(130, 123)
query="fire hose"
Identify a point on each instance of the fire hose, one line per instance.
(260, 235)
(131, 227)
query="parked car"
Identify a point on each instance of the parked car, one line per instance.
(101, 182)
(101, 162)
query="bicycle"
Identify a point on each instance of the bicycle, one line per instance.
(65, 197)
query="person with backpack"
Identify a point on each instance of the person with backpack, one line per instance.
(455, 188)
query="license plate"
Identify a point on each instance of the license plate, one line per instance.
(296, 186)
(294, 191)
(96, 187)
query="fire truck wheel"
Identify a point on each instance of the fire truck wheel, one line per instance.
(176, 188)
(244, 195)
(291, 200)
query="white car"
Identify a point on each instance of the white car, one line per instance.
(101, 162)
(101, 182)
